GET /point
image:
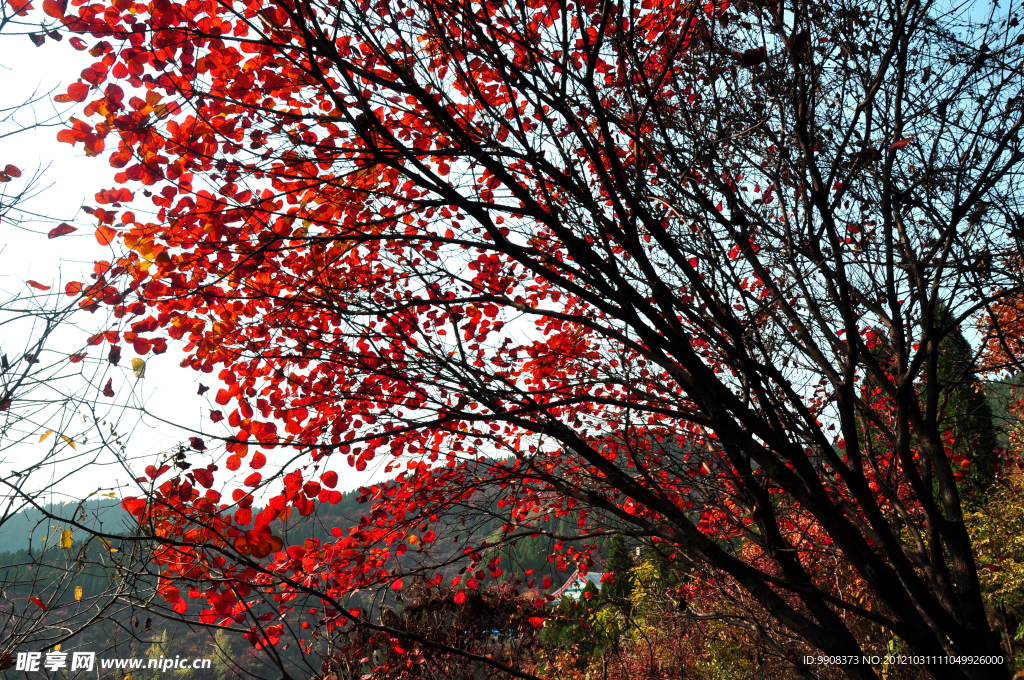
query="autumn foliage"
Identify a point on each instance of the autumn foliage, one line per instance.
(671, 269)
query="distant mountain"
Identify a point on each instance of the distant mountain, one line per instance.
(27, 527)
(30, 525)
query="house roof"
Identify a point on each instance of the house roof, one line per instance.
(580, 579)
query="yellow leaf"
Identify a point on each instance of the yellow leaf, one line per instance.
(65, 539)
(109, 495)
(106, 544)
(69, 442)
(46, 434)
(78, 593)
(162, 110)
(56, 648)
(139, 367)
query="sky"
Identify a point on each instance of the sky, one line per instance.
(67, 180)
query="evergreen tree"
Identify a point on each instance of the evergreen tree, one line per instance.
(620, 563)
(967, 413)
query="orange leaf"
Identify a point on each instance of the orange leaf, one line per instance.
(105, 236)
(37, 285)
(898, 145)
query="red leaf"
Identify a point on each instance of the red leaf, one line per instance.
(799, 42)
(752, 57)
(77, 92)
(37, 285)
(898, 145)
(39, 603)
(253, 480)
(135, 506)
(536, 621)
(75, 358)
(60, 230)
(170, 593)
(73, 288)
(460, 597)
(78, 44)
(216, 415)
(396, 584)
(54, 8)
(181, 606)
(108, 389)
(147, 325)
(869, 154)
(12, 170)
(329, 479)
(258, 460)
(197, 443)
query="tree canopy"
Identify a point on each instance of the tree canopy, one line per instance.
(629, 264)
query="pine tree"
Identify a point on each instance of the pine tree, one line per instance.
(620, 563)
(967, 413)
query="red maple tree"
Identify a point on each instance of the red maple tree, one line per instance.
(626, 263)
